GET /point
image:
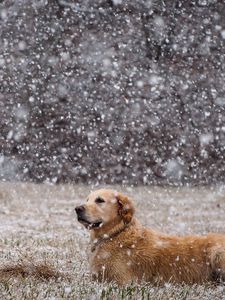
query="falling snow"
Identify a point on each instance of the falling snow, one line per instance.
(115, 91)
(109, 92)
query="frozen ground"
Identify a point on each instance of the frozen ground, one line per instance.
(38, 224)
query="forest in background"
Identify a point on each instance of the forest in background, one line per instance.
(128, 92)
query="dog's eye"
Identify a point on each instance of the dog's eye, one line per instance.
(99, 200)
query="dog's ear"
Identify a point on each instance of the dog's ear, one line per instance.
(126, 208)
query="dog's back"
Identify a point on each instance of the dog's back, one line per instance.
(141, 254)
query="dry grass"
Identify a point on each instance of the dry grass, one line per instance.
(43, 248)
(41, 271)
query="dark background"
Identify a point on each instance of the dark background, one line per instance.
(116, 91)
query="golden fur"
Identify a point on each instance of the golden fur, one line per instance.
(123, 251)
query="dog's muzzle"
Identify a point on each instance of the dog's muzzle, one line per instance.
(80, 210)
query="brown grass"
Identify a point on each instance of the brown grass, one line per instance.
(43, 249)
(41, 271)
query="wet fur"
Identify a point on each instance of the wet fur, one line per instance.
(125, 251)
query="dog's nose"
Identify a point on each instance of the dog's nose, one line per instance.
(79, 209)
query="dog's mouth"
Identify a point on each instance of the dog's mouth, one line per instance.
(88, 224)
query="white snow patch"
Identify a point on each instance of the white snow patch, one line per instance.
(117, 2)
(174, 169)
(22, 45)
(161, 244)
(223, 34)
(206, 139)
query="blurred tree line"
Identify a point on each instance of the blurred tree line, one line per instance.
(112, 91)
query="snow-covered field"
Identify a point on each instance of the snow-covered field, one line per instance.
(38, 224)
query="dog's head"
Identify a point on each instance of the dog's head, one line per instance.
(104, 209)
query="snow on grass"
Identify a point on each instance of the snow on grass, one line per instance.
(40, 234)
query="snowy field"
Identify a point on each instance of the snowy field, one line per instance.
(38, 225)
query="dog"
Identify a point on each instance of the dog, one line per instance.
(123, 251)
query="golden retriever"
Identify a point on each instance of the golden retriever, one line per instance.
(123, 251)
